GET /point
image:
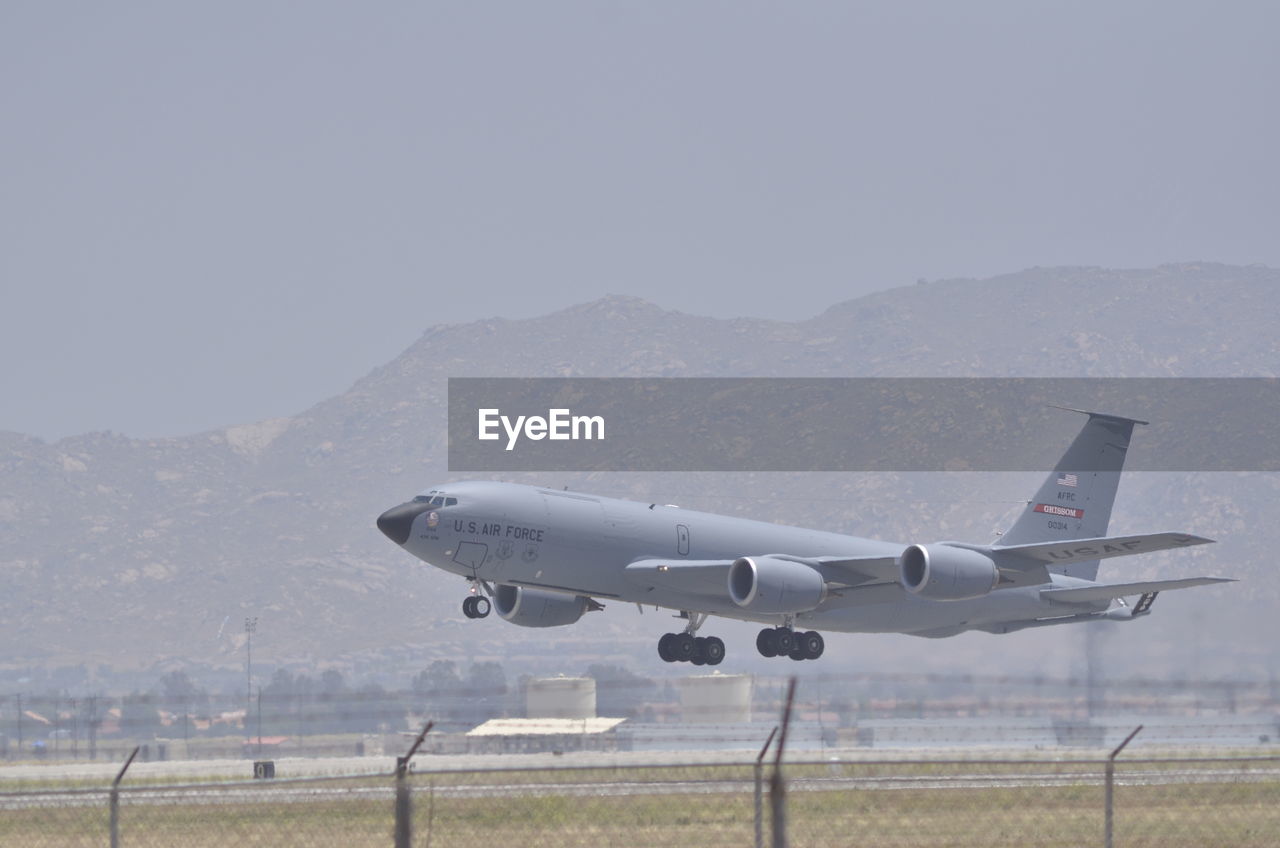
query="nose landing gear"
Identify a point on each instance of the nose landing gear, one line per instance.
(476, 606)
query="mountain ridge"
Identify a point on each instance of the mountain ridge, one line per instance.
(131, 552)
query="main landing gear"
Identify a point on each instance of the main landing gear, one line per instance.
(785, 642)
(687, 647)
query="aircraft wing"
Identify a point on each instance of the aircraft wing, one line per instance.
(856, 571)
(1108, 591)
(711, 576)
(697, 576)
(1019, 565)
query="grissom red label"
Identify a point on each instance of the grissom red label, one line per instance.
(1064, 511)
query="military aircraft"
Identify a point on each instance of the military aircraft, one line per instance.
(544, 558)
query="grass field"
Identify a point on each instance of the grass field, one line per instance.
(1047, 803)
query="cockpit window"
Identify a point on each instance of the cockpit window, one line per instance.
(435, 498)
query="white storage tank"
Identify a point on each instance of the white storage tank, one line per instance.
(716, 698)
(561, 697)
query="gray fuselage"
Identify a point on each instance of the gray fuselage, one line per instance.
(581, 544)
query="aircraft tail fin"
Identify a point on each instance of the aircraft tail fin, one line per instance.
(1075, 499)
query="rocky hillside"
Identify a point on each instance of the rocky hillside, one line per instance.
(133, 553)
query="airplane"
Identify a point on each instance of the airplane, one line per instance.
(544, 558)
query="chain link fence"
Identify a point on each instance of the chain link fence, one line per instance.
(1040, 802)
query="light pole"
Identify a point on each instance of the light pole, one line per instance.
(250, 627)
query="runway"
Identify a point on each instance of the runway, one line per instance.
(520, 784)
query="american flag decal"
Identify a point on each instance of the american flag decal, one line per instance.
(1068, 480)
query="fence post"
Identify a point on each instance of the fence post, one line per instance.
(114, 819)
(1111, 779)
(760, 788)
(777, 786)
(404, 801)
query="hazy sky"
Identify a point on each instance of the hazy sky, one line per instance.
(220, 212)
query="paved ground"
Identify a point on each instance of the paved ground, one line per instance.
(177, 771)
(331, 766)
(498, 786)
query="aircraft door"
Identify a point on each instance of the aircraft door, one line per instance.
(682, 540)
(471, 554)
(576, 520)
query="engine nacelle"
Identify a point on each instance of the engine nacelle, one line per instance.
(535, 608)
(772, 585)
(944, 573)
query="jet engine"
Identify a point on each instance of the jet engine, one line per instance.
(944, 573)
(772, 585)
(535, 608)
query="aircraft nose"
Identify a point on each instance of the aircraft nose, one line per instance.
(397, 522)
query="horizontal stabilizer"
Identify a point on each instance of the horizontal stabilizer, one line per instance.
(1105, 415)
(1082, 550)
(1106, 592)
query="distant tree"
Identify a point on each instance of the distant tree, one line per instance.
(486, 691)
(67, 678)
(182, 697)
(620, 693)
(486, 679)
(281, 685)
(310, 714)
(439, 677)
(517, 694)
(304, 686)
(138, 716)
(177, 686)
(377, 709)
(331, 704)
(332, 682)
(280, 705)
(846, 710)
(439, 692)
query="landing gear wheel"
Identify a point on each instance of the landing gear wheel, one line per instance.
(667, 648)
(683, 646)
(699, 651)
(797, 652)
(480, 606)
(786, 639)
(813, 644)
(469, 607)
(713, 650)
(767, 642)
